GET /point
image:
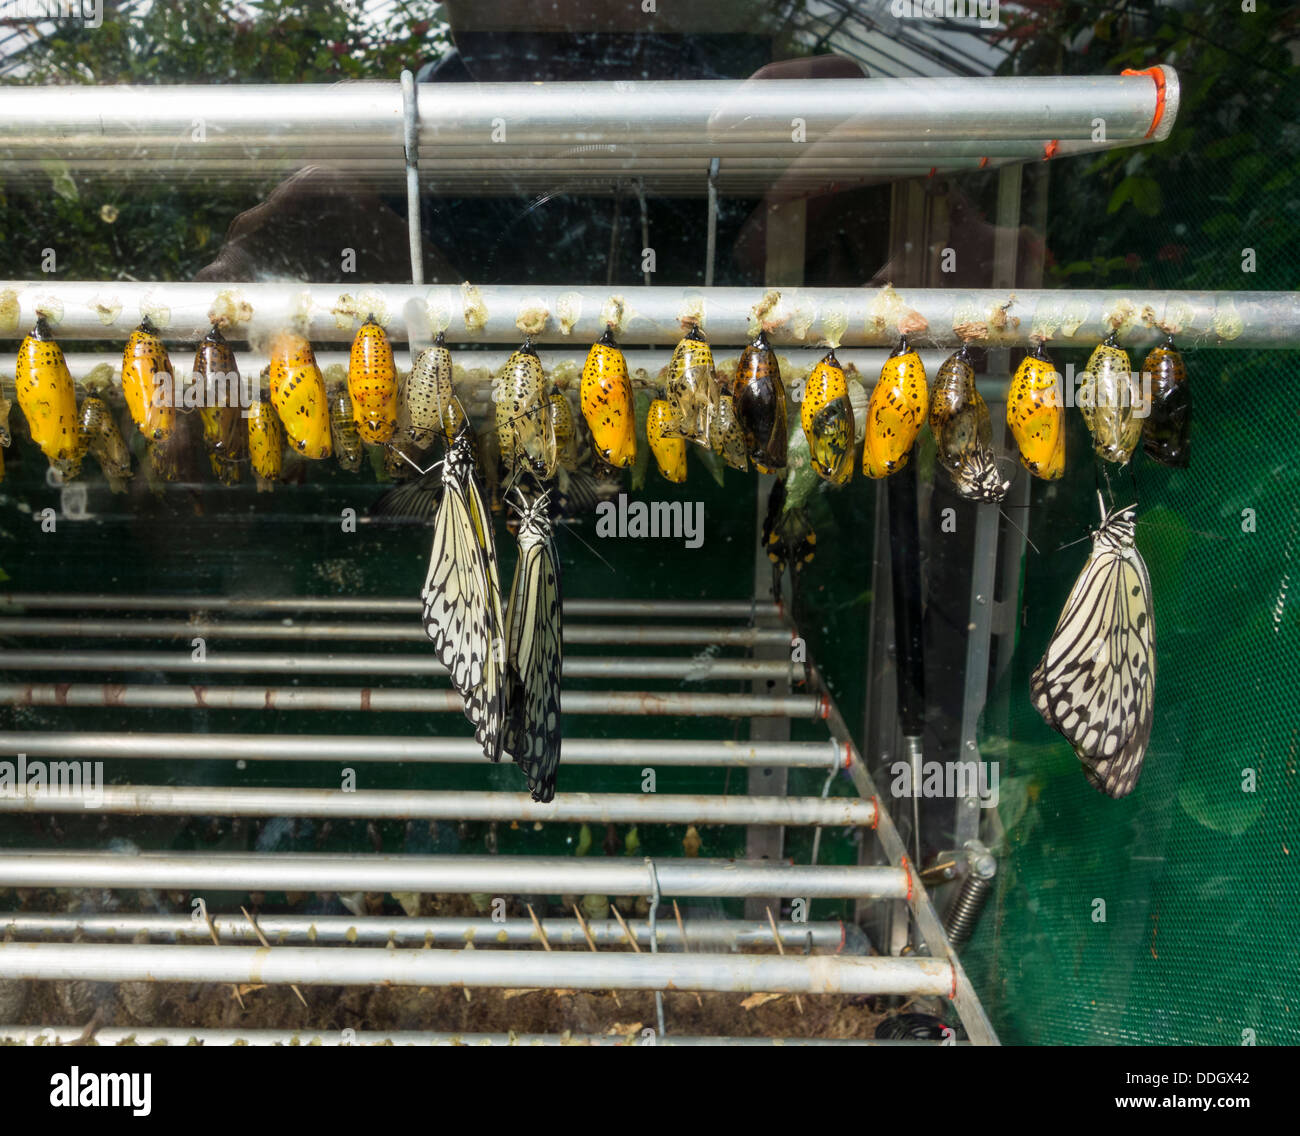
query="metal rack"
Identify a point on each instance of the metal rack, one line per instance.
(838, 963)
(785, 139)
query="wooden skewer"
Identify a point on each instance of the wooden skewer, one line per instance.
(262, 939)
(592, 944)
(216, 942)
(780, 948)
(538, 927)
(681, 930)
(631, 938)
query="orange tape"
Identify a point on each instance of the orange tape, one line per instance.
(1050, 149)
(1159, 76)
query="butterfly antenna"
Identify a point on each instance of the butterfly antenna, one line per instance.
(574, 533)
(1018, 529)
(421, 472)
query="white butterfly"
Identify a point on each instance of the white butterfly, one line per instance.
(1096, 682)
(462, 596)
(535, 654)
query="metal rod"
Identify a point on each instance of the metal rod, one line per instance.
(574, 970)
(412, 632)
(151, 1035)
(134, 122)
(711, 244)
(82, 310)
(273, 662)
(117, 745)
(670, 703)
(411, 156)
(493, 875)
(728, 934)
(408, 804)
(84, 601)
(477, 372)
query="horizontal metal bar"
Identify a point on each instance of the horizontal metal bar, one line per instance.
(722, 934)
(412, 632)
(671, 703)
(353, 605)
(860, 316)
(574, 970)
(132, 124)
(704, 669)
(407, 804)
(492, 875)
(359, 749)
(152, 1035)
(476, 373)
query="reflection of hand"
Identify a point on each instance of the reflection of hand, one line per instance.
(302, 229)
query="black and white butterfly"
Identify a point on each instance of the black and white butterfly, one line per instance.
(1096, 682)
(462, 596)
(534, 653)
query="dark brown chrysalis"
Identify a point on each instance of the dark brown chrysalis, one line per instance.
(760, 404)
(1165, 429)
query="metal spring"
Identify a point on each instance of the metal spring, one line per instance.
(965, 910)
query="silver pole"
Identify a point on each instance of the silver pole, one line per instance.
(722, 934)
(133, 123)
(670, 703)
(409, 804)
(1074, 318)
(412, 632)
(491, 875)
(475, 383)
(271, 662)
(117, 745)
(411, 157)
(149, 1035)
(83, 601)
(573, 970)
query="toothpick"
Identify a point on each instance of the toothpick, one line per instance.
(262, 939)
(780, 948)
(631, 937)
(216, 941)
(537, 926)
(592, 944)
(681, 930)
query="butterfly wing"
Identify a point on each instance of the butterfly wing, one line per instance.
(462, 603)
(534, 631)
(1095, 684)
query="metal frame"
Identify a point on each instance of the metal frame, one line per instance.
(500, 137)
(331, 313)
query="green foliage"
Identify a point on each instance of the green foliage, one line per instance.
(1177, 214)
(155, 229)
